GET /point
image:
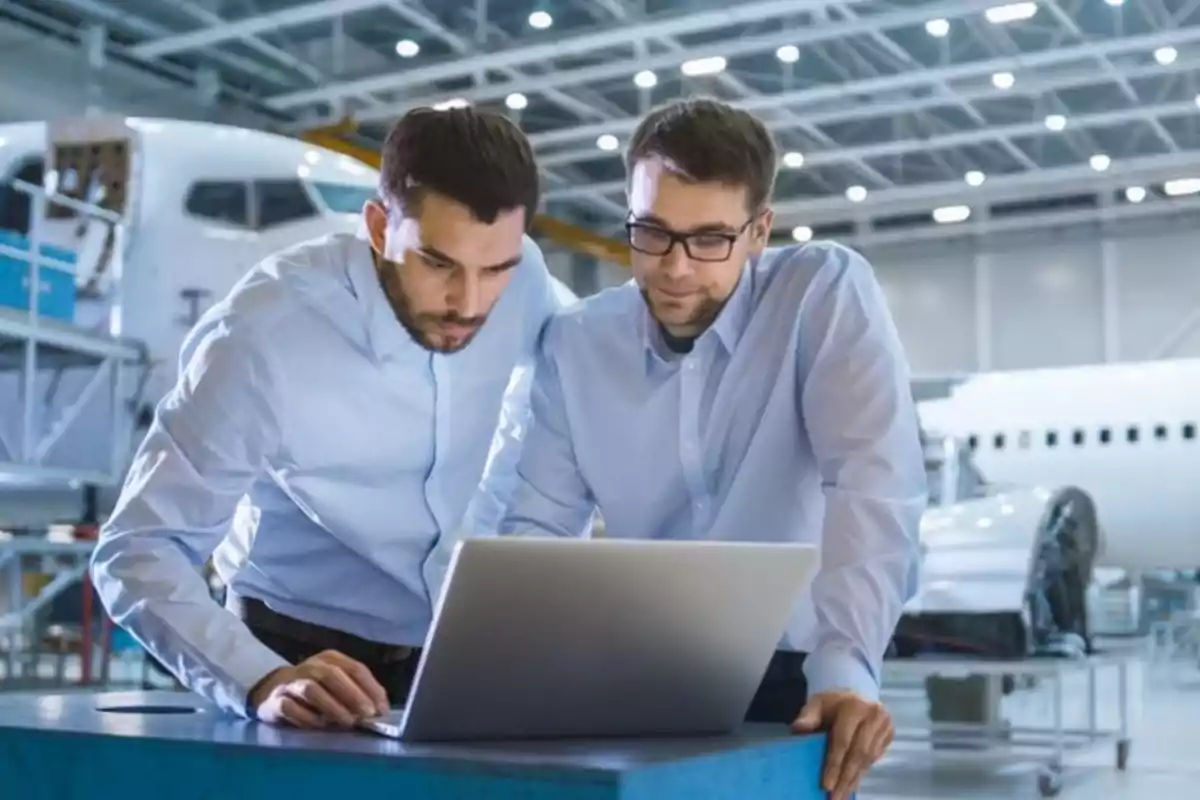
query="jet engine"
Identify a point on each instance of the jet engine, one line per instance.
(1004, 575)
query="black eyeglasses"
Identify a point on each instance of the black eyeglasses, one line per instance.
(654, 240)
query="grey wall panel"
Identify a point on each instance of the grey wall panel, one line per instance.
(931, 295)
(1158, 290)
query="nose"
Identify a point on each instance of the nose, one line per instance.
(464, 294)
(675, 263)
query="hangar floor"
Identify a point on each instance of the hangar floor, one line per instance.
(1163, 760)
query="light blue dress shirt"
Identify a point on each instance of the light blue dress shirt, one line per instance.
(791, 420)
(319, 450)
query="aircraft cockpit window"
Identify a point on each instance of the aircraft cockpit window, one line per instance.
(1105, 436)
(1160, 432)
(278, 202)
(1189, 431)
(342, 198)
(1131, 435)
(223, 201)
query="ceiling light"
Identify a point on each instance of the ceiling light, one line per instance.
(516, 101)
(407, 48)
(454, 102)
(540, 20)
(1135, 194)
(802, 233)
(856, 194)
(1198, 101)
(1166, 55)
(1115, 2)
(1056, 122)
(938, 27)
(607, 142)
(1013, 12)
(975, 178)
(703, 66)
(788, 54)
(950, 214)
(1100, 162)
(1003, 80)
(1181, 186)
(793, 159)
(645, 79)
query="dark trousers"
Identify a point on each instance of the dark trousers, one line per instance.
(295, 641)
(783, 690)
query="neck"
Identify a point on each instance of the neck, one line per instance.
(679, 342)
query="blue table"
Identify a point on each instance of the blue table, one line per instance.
(151, 745)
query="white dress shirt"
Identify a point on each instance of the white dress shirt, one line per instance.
(791, 419)
(319, 450)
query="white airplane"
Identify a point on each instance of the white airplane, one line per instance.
(1125, 436)
(199, 203)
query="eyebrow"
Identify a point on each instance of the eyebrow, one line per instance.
(438, 255)
(708, 227)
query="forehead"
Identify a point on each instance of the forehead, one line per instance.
(450, 228)
(655, 189)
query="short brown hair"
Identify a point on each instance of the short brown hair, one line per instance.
(709, 141)
(480, 159)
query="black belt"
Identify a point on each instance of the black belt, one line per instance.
(256, 614)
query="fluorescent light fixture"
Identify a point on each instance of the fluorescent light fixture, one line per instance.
(607, 142)
(1198, 101)
(540, 20)
(1135, 194)
(975, 178)
(407, 48)
(1115, 3)
(1056, 122)
(646, 79)
(1166, 55)
(793, 159)
(1100, 162)
(938, 28)
(947, 215)
(1003, 80)
(1181, 186)
(802, 233)
(1013, 12)
(453, 102)
(788, 54)
(516, 101)
(856, 194)
(703, 66)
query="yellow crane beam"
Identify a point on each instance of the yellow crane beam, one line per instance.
(564, 234)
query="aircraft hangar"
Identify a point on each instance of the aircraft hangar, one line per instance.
(993, 205)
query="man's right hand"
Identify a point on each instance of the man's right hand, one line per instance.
(329, 689)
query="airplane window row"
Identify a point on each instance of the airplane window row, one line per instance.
(1079, 437)
(254, 204)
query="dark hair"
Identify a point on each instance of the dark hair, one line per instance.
(480, 159)
(707, 141)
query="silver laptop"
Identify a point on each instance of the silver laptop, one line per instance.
(554, 638)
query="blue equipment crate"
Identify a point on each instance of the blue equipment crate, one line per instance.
(56, 286)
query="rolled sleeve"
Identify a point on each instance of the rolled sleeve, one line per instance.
(857, 408)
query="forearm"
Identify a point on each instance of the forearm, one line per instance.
(868, 573)
(151, 588)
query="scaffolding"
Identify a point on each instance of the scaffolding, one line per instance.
(45, 438)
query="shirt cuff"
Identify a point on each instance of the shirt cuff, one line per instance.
(244, 673)
(832, 669)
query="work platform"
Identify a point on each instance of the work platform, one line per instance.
(149, 745)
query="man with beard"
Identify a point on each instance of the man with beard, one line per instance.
(731, 391)
(333, 416)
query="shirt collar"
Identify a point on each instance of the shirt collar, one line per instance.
(727, 328)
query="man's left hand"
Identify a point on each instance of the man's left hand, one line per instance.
(859, 733)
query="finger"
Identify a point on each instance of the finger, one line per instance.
(841, 737)
(335, 680)
(809, 718)
(859, 755)
(297, 714)
(365, 680)
(314, 695)
(883, 740)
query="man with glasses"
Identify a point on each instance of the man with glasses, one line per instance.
(736, 392)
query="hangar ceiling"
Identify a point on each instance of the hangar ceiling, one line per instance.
(885, 111)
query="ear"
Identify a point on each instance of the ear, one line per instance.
(760, 233)
(376, 217)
